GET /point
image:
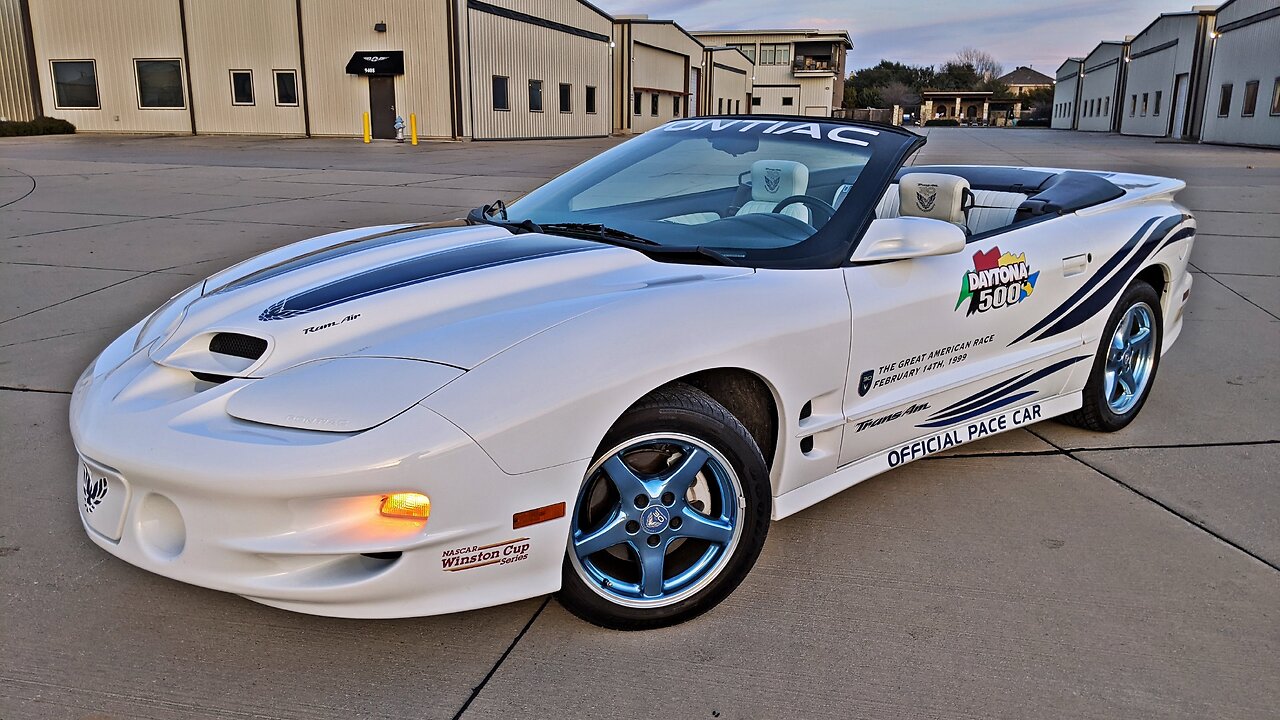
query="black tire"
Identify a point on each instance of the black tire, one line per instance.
(686, 410)
(1096, 413)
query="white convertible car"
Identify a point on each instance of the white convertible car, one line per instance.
(612, 386)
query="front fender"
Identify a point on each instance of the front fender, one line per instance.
(550, 399)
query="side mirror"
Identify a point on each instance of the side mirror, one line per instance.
(901, 238)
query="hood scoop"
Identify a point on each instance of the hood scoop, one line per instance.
(216, 356)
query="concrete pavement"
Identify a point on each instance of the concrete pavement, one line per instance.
(1042, 573)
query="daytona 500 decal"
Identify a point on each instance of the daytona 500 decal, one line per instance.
(997, 280)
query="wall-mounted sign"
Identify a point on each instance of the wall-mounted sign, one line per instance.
(377, 62)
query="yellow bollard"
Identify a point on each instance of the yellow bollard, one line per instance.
(368, 137)
(413, 128)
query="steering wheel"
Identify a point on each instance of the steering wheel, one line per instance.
(822, 211)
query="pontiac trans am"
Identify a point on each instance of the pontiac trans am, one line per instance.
(612, 386)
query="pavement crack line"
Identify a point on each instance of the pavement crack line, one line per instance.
(1100, 449)
(77, 297)
(475, 692)
(25, 194)
(34, 390)
(1234, 291)
(1166, 507)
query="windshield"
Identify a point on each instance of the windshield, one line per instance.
(762, 191)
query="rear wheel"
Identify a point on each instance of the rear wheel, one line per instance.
(671, 516)
(1125, 368)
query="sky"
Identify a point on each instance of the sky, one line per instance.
(1039, 33)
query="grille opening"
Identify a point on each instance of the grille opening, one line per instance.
(806, 445)
(210, 377)
(237, 345)
(806, 411)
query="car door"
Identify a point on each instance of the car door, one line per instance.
(933, 335)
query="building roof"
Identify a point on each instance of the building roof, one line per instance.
(808, 33)
(1025, 76)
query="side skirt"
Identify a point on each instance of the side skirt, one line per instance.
(846, 477)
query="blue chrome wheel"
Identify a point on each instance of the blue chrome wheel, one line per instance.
(656, 520)
(1130, 359)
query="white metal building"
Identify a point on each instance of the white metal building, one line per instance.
(1242, 105)
(1168, 62)
(657, 70)
(1101, 81)
(726, 86)
(797, 72)
(1066, 94)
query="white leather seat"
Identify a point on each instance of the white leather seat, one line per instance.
(935, 196)
(993, 209)
(773, 181)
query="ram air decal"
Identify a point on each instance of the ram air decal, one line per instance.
(997, 396)
(442, 264)
(1099, 291)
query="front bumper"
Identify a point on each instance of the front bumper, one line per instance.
(290, 517)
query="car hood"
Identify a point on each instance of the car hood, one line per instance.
(451, 295)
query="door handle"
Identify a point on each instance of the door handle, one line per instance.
(1074, 265)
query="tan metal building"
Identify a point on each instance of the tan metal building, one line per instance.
(657, 68)
(466, 68)
(726, 88)
(16, 101)
(797, 72)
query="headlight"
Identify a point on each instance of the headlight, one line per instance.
(161, 323)
(345, 394)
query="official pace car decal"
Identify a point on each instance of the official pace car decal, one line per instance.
(433, 266)
(997, 280)
(1102, 288)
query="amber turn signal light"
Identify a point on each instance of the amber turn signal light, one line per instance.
(537, 515)
(407, 506)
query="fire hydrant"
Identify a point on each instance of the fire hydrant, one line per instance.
(399, 129)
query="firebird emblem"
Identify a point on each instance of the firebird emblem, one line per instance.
(864, 382)
(772, 179)
(95, 490)
(926, 196)
(654, 519)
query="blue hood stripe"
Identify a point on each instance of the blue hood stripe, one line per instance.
(413, 271)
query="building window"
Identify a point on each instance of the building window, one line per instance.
(1275, 98)
(1144, 104)
(1155, 109)
(1224, 101)
(566, 97)
(241, 87)
(159, 84)
(1133, 105)
(775, 54)
(590, 103)
(675, 106)
(719, 106)
(286, 87)
(737, 107)
(653, 105)
(535, 96)
(1106, 106)
(501, 100)
(748, 50)
(755, 101)
(788, 101)
(1250, 99)
(75, 84)
(636, 103)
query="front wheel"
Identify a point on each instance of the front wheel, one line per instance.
(671, 516)
(1125, 368)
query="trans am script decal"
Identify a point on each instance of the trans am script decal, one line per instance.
(997, 280)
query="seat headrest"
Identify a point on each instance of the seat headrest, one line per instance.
(777, 180)
(934, 195)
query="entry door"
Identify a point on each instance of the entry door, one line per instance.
(1179, 102)
(382, 107)
(930, 332)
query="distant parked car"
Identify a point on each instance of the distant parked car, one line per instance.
(610, 387)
